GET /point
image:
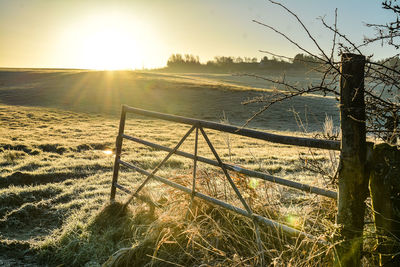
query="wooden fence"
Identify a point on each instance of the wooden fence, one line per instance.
(198, 126)
(353, 178)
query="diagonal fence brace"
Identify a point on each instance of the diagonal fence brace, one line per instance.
(222, 166)
(151, 175)
(247, 207)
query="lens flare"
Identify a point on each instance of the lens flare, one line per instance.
(253, 183)
(107, 152)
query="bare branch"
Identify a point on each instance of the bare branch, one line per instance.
(382, 78)
(289, 39)
(304, 27)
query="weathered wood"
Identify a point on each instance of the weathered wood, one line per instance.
(385, 194)
(353, 178)
(118, 153)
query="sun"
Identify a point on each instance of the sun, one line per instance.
(106, 41)
(110, 41)
(110, 49)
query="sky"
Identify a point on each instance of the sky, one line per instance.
(139, 34)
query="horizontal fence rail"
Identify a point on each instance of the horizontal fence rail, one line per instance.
(275, 138)
(261, 175)
(198, 126)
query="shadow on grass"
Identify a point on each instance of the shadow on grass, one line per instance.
(112, 228)
(20, 178)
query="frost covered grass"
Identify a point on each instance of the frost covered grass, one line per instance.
(55, 184)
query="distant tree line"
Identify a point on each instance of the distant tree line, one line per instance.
(189, 63)
(391, 62)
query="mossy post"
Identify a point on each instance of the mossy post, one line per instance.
(353, 177)
(385, 194)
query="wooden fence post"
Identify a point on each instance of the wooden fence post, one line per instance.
(118, 152)
(353, 177)
(384, 185)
